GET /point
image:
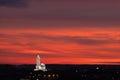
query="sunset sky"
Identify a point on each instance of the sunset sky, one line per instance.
(61, 31)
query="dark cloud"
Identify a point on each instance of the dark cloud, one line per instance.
(13, 3)
(117, 63)
(98, 55)
(82, 40)
(59, 14)
(97, 41)
(12, 53)
(110, 50)
(75, 39)
(50, 23)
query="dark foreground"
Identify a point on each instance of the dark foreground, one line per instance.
(60, 72)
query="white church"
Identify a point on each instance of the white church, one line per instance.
(39, 66)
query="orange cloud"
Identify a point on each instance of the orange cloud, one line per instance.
(67, 46)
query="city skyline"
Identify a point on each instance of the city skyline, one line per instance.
(61, 31)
